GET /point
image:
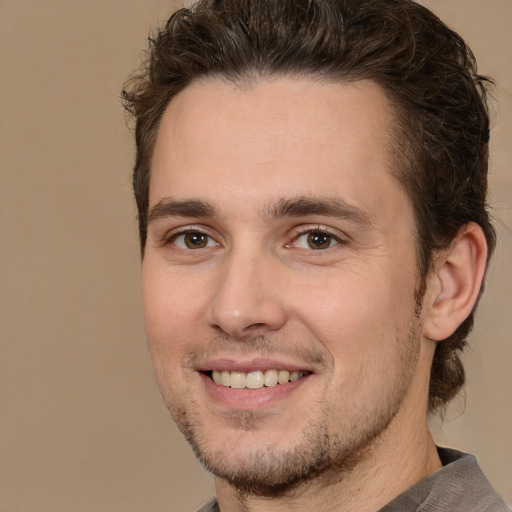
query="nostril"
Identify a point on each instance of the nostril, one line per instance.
(241, 311)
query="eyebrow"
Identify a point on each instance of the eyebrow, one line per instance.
(186, 208)
(295, 207)
(326, 207)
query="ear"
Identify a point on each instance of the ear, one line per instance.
(455, 285)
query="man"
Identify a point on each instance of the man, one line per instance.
(311, 183)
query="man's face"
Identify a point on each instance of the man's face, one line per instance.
(278, 243)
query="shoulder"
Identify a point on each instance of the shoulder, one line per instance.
(461, 483)
(459, 486)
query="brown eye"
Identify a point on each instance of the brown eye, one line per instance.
(192, 240)
(319, 240)
(195, 240)
(316, 240)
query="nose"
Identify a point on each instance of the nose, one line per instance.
(247, 298)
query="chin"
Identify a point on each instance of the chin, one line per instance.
(257, 463)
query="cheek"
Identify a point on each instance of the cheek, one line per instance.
(171, 310)
(342, 302)
(169, 327)
(354, 314)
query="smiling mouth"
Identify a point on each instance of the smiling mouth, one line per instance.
(256, 379)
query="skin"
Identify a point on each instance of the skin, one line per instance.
(247, 173)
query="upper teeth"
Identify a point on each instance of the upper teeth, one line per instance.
(254, 380)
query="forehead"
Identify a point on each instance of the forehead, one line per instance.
(277, 137)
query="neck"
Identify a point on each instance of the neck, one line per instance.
(367, 488)
(373, 483)
(400, 457)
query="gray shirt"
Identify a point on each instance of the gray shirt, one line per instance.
(459, 486)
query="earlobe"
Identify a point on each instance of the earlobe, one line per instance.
(456, 283)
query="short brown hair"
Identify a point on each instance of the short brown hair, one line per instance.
(428, 72)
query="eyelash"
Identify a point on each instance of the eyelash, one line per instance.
(320, 231)
(171, 239)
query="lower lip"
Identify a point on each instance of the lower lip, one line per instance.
(251, 398)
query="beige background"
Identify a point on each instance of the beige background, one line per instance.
(82, 427)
